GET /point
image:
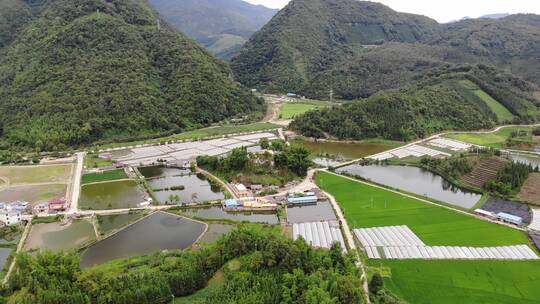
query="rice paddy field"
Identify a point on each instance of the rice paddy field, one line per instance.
(471, 282)
(36, 174)
(292, 109)
(111, 195)
(425, 281)
(102, 177)
(494, 140)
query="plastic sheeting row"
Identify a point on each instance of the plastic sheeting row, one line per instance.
(319, 234)
(517, 252)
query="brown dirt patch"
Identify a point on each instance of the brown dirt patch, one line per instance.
(485, 170)
(530, 192)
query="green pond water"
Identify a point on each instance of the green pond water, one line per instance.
(219, 213)
(157, 232)
(111, 195)
(108, 223)
(197, 189)
(343, 150)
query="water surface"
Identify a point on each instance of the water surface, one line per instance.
(4, 254)
(157, 232)
(111, 195)
(527, 159)
(219, 213)
(311, 213)
(344, 150)
(415, 180)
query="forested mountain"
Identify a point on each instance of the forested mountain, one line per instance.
(222, 26)
(312, 37)
(78, 71)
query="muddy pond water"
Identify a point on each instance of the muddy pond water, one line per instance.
(159, 231)
(219, 213)
(344, 150)
(322, 211)
(415, 180)
(196, 188)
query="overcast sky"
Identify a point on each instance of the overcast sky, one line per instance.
(444, 11)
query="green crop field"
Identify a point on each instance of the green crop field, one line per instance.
(102, 177)
(292, 109)
(425, 281)
(449, 282)
(36, 174)
(494, 140)
(369, 206)
(502, 113)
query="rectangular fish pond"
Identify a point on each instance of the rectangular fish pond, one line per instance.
(415, 180)
(322, 211)
(57, 237)
(177, 186)
(216, 213)
(111, 195)
(158, 231)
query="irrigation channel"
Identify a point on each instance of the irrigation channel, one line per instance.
(414, 180)
(158, 231)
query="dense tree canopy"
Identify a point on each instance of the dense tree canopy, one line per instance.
(83, 70)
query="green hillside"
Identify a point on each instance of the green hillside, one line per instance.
(357, 48)
(84, 70)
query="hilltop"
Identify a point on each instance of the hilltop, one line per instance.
(310, 38)
(222, 26)
(78, 71)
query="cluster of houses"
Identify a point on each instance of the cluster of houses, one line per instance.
(247, 202)
(13, 213)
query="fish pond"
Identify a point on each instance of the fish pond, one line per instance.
(57, 237)
(159, 231)
(176, 186)
(217, 213)
(111, 195)
(322, 211)
(334, 150)
(110, 223)
(415, 180)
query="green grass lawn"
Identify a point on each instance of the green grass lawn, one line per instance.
(502, 113)
(200, 134)
(292, 109)
(369, 206)
(102, 177)
(36, 174)
(494, 140)
(449, 282)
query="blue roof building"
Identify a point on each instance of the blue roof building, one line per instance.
(232, 203)
(509, 218)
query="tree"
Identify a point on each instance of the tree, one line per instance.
(298, 160)
(264, 143)
(376, 284)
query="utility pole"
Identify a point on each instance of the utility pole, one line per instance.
(331, 95)
(158, 25)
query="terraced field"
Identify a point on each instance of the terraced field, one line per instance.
(484, 171)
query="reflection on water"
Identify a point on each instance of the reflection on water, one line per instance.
(343, 150)
(159, 231)
(219, 213)
(415, 180)
(527, 159)
(311, 213)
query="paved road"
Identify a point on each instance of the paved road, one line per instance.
(76, 184)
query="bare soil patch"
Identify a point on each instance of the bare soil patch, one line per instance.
(485, 170)
(530, 192)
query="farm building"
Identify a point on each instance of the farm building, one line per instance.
(57, 204)
(509, 218)
(319, 234)
(485, 213)
(232, 203)
(240, 190)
